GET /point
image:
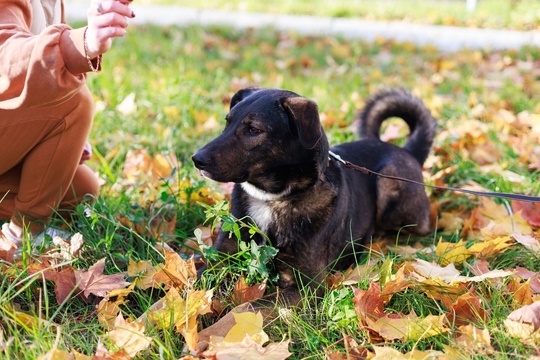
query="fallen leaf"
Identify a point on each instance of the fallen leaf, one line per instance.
(247, 324)
(387, 353)
(399, 282)
(450, 274)
(524, 324)
(93, 281)
(474, 340)
(521, 291)
(177, 271)
(247, 349)
(129, 336)
(528, 241)
(180, 313)
(68, 250)
(529, 314)
(409, 327)
(244, 293)
(369, 304)
(490, 246)
(468, 308)
(530, 211)
(143, 271)
(448, 252)
(56, 354)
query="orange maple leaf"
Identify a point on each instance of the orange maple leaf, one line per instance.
(244, 293)
(176, 271)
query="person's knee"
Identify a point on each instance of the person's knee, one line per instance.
(88, 182)
(85, 185)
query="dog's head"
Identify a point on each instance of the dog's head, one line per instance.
(273, 140)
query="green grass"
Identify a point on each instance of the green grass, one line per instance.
(183, 77)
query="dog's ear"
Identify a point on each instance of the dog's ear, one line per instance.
(242, 94)
(305, 114)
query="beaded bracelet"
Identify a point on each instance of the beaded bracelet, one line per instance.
(96, 68)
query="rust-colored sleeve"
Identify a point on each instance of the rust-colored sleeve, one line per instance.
(37, 70)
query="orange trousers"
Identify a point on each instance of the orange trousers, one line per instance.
(40, 152)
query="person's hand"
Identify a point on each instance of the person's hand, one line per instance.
(107, 19)
(87, 153)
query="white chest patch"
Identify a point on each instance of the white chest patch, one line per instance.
(261, 213)
(259, 208)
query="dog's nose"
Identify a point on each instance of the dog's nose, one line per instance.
(199, 160)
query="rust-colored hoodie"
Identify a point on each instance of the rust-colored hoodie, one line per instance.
(41, 69)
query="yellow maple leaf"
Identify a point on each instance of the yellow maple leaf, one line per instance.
(247, 324)
(491, 245)
(129, 336)
(175, 311)
(452, 252)
(409, 327)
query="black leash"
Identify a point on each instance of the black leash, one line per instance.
(445, 188)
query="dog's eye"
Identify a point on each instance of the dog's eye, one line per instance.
(254, 131)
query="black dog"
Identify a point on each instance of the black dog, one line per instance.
(314, 210)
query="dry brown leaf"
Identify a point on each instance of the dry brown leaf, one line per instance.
(529, 211)
(529, 314)
(93, 281)
(64, 278)
(521, 292)
(176, 271)
(222, 326)
(524, 323)
(108, 310)
(129, 336)
(245, 340)
(144, 272)
(409, 327)
(532, 277)
(248, 349)
(468, 309)
(369, 304)
(353, 351)
(494, 219)
(399, 282)
(474, 340)
(450, 222)
(450, 274)
(529, 241)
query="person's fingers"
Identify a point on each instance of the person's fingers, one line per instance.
(99, 40)
(113, 6)
(107, 20)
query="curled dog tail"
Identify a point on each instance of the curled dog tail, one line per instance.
(402, 104)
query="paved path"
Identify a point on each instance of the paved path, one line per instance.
(446, 38)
